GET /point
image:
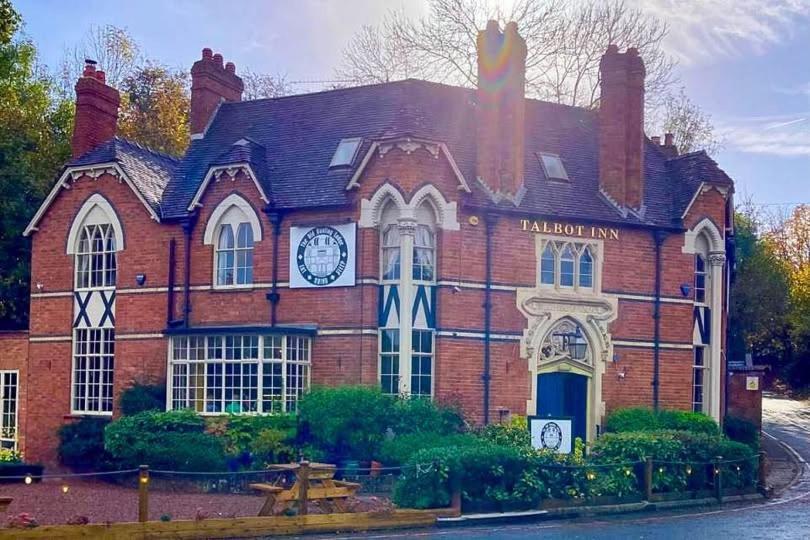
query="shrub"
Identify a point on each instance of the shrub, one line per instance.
(172, 440)
(419, 415)
(81, 444)
(662, 446)
(345, 422)
(240, 431)
(272, 446)
(644, 419)
(142, 397)
(514, 433)
(742, 430)
(10, 457)
(398, 450)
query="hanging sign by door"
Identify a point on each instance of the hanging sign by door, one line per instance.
(550, 433)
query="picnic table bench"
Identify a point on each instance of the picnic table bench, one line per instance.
(313, 482)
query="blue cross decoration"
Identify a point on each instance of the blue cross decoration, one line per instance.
(109, 304)
(703, 319)
(82, 304)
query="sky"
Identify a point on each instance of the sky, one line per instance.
(744, 62)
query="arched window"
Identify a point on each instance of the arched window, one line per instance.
(391, 255)
(567, 267)
(700, 278)
(547, 266)
(586, 269)
(233, 228)
(95, 257)
(423, 254)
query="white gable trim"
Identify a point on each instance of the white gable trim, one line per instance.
(408, 145)
(227, 203)
(231, 170)
(95, 200)
(710, 231)
(703, 188)
(75, 173)
(446, 213)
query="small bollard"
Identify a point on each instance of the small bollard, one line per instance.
(143, 493)
(303, 487)
(648, 474)
(718, 478)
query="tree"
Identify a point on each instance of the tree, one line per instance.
(35, 127)
(114, 48)
(258, 85)
(9, 21)
(154, 108)
(693, 129)
(565, 42)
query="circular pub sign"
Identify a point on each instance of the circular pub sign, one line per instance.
(322, 255)
(551, 436)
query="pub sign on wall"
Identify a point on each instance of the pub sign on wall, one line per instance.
(322, 256)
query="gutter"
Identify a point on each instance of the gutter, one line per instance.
(171, 280)
(659, 236)
(274, 217)
(490, 220)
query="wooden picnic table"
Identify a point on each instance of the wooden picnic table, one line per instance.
(313, 482)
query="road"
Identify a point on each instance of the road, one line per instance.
(786, 517)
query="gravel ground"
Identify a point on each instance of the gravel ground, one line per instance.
(102, 502)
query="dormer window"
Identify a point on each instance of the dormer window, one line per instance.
(553, 167)
(346, 152)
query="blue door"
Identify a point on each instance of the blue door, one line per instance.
(564, 394)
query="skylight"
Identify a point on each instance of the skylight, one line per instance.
(553, 166)
(346, 151)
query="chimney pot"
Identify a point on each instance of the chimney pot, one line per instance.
(656, 140)
(207, 53)
(218, 59)
(211, 83)
(96, 118)
(612, 49)
(101, 77)
(230, 67)
(669, 139)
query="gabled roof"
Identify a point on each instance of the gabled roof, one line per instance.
(288, 143)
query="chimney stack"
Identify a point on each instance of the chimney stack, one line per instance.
(501, 115)
(621, 127)
(96, 118)
(211, 83)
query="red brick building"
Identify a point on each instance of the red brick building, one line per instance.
(514, 255)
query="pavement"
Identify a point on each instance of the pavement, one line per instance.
(785, 516)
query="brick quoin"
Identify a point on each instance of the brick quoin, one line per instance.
(346, 350)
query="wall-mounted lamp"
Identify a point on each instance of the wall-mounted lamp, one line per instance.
(140, 279)
(685, 289)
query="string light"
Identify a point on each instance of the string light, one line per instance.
(144, 479)
(28, 479)
(65, 488)
(627, 472)
(591, 475)
(661, 470)
(717, 471)
(688, 469)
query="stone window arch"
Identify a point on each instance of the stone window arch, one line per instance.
(233, 228)
(95, 237)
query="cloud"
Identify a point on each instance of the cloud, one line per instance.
(780, 135)
(701, 31)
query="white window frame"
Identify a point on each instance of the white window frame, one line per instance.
(9, 442)
(432, 356)
(289, 396)
(394, 354)
(109, 273)
(235, 224)
(705, 274)
(87, 355)
(578, 247)
(704, 368)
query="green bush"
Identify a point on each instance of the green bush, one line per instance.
(81, 444)
(399, 449)
(514, 433)
(142, 397)
(662, 446)
(345, 422)
(420, 415)
(173, 440)
(643, 419)
(742, 430)
(239, 432)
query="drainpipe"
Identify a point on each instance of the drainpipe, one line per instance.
(188, 228)
(170, 299)
(659, 237)
(490, 221)
(275, 217)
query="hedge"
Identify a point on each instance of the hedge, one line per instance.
(644, 419)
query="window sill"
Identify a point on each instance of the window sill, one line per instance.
(80, 415)
(232, 288)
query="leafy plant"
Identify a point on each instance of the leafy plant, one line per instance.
(142, 397)
(644, 419)
(399, 449)
(515, 433)
(420, 415)
(9, 456)
(81, 444)
(742, 430)
(272, 446)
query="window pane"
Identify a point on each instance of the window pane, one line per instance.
(244, 236)
(586, 269)
(93, 369)
(547, 266)
(567, 267)
(226, 237)
(225, 273)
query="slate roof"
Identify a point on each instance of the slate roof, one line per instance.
(289, 142)
(149, 170)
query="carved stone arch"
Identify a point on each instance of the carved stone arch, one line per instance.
(445, 212)
(95, 210)
(707, 229)
(371, 210)
(232, 201)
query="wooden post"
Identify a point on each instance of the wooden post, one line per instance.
(718, 479)
(648, 477)
(303, 487)
(143, 493)
(762, 473)
(455, 501)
